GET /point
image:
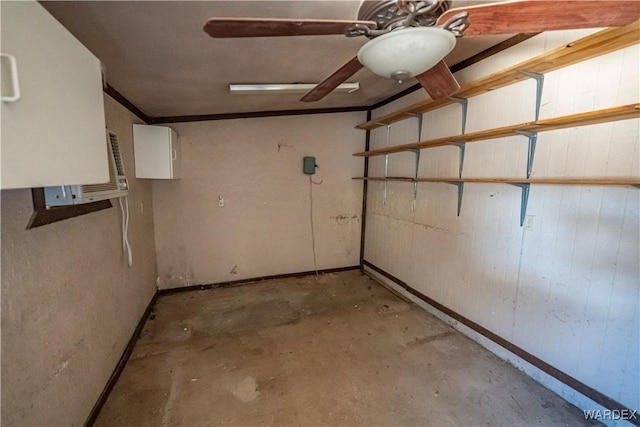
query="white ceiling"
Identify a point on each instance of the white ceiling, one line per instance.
(157, 55)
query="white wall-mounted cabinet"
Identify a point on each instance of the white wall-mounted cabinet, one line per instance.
(157, 152)
(54, 133)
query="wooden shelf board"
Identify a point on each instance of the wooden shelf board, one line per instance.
(539, 181)
(581, 119)
(389, 178)
(597, 44)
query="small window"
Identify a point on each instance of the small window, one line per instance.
(43, 216)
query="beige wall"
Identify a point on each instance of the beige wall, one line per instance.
(69, 302)
(567, 290)
(264, 227)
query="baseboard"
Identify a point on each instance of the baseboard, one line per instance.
(93, 415)
(569, 388)
(255, 280)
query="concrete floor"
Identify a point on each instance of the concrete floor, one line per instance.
(338, 350)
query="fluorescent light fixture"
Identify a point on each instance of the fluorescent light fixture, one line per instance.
(253, 89)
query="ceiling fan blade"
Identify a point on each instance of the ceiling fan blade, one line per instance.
(532, 16)
(438, 81)
(333, 81)
(259, 27)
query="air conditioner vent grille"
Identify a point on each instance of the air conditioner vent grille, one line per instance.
(115, 149)
(115, 157)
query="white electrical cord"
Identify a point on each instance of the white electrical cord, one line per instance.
(126, 247)
(313, 238)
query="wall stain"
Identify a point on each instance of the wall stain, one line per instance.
(432, 227)
(234, 270)
(406, 223)
(281, 144)
(175, 278)
(345, 218)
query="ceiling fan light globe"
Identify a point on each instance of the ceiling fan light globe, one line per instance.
(410, 50)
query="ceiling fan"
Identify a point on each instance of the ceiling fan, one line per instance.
(409, 38)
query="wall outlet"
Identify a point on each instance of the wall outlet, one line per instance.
(529, 222)
(221, 201)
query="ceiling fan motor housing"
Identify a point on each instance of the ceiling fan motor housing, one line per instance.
(392, 14)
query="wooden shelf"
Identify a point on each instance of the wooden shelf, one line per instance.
(597, 44)
(524, 185)
(389, 178)
(515, 181)
(582, 119)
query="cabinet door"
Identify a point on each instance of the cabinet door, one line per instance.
(53, 134)
(157, 152)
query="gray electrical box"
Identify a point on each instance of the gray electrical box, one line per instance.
(309, 165)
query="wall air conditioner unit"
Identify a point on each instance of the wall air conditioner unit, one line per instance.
(117, 186)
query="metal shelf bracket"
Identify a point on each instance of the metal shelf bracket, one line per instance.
(460, 186)
(523, 201)
(386, 165)
(419, 117)
(415, 183)
(461, 145)
(417, 153)
(463, 103)
(533, 138)
(539, 78)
